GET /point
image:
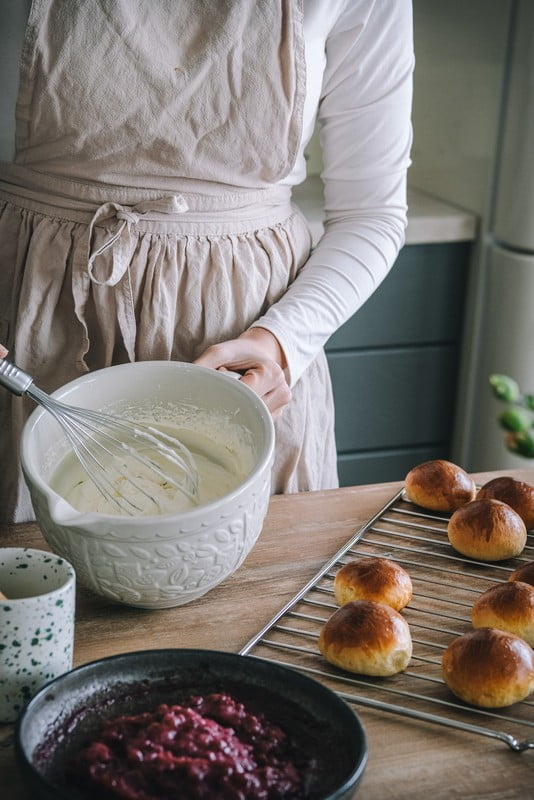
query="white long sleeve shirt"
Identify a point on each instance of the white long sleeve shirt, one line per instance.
(359, 61)
(359, 65)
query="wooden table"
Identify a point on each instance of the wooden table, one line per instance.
(407, 758)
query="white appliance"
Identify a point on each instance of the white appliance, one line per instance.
(501, 310)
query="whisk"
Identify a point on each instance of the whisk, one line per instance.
(102, 442)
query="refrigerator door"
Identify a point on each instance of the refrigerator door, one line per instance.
(507, 346)
(514, 209)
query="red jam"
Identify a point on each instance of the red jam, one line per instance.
(210, 747)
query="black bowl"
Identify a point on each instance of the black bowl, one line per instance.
(68, 711)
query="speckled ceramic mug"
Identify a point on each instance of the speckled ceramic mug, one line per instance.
(36, 624)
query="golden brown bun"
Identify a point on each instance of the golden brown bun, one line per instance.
(489, 668)
(518, 494)
(487, 530)
(524, 573)
(508, 607)
(376, 579)
(439, 486)
(367, 637)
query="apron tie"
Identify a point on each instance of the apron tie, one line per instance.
(120, 239)
(122, 244)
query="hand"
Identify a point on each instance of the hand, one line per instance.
(256, 353)
(3, 351)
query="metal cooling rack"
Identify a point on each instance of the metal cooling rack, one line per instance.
(445, 586)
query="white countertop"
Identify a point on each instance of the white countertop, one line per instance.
(430, 220)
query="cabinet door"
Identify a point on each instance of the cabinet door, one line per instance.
(384, 465)
(394, 366)
(395, 397)
(421, 300)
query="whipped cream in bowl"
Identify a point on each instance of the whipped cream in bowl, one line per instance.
(177, 552)
(222, 458)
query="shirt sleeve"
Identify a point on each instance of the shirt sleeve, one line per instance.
(364, 119)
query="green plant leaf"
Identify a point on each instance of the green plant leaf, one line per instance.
(505, 388)
(515, 419)
(521, 443)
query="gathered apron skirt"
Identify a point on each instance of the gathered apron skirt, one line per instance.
(92, 276)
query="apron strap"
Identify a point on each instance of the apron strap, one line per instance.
(122, 243)
(120, 239)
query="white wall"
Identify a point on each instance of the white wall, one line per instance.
(460, 49)
(460, 52)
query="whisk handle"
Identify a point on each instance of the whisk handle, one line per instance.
(14, 378)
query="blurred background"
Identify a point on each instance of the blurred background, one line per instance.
(411, 369)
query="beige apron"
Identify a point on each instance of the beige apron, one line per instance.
(142, 217)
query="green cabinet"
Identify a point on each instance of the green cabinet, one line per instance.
(394, 366)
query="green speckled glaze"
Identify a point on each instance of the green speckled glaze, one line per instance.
(36, 624)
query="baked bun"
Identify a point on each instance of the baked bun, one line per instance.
(508, 607)
(368, 638)
(439, 486)
(489, 668)
(373, 578)
(518, 494)
(487, 530)
(524, 573)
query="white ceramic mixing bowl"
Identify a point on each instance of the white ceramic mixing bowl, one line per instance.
(166, 560)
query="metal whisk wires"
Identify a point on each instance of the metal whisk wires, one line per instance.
(115, 453)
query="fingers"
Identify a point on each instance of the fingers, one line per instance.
(219, 356)
(3, 351)
(268, 381)
(261, 373)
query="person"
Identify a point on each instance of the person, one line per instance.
(146, 211)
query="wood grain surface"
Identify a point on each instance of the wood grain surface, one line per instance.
(407, 758)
